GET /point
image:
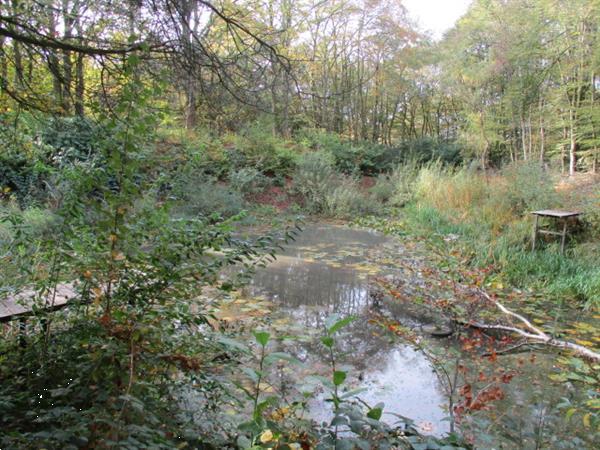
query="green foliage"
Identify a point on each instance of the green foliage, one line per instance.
(369, 158)
(111, 369)
(327, 191)
(248, 180)
(343, 198)
(23, 161)
(199, 194)
(383, 189)
(529, 187)
(72, 139)
(490, 215)
(312, 179)
(403, 178)
(256, 147)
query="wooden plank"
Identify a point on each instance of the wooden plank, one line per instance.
(556, 213)
(24, 302)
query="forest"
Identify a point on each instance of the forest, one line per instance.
(246, 224)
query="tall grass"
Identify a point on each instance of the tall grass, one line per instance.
(490, 214)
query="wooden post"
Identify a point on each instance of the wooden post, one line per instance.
(535, 230)
(22, 331)
(563, 237)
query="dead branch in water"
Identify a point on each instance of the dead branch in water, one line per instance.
(526, 330)
(531, 333)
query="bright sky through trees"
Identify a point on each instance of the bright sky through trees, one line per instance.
(437, 15)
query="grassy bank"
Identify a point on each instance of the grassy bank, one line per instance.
(484, 218)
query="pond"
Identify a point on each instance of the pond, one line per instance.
(329, 269)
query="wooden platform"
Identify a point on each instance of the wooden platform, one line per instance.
(24, 303)
(559, 214)
(555, 214)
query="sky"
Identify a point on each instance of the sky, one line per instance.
(436, 15)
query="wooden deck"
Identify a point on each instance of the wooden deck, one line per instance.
(24, 303)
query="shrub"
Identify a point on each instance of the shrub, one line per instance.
(343, 199)
(199, 194)
(265, 152)
(24, 164)
(329, 192)
(72, 139)
(528, 187)
(403, 178)
(312, 179)
(248, 180)
(427, 149)
(383, 189)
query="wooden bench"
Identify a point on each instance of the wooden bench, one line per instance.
(25, 304)
(554, 214)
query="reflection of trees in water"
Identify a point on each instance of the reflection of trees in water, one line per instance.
(311, 292)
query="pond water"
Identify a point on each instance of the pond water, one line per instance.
(328, 270)
(321, 274)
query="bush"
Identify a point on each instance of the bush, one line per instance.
(370, 158)
(248, 180)
(255, 147)
(23, 161)
(327, 191)
(265, 152)
(403, 178)
(72, 139)
(345, 200)
(312, 179)
(200, 194)
(529, 187)
(384, 189)
(427, 149)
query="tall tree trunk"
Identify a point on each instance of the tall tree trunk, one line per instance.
(542, 133)
(67, 69)
(595, 149)
(53, 61)
(79, 86)
(572, 143)
(191, 118)
(563, 148)
(3, 67)
(523, 137)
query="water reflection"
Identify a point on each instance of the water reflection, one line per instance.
(314, 278)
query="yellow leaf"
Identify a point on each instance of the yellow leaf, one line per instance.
(117, 256)
(586, 420)
(97, 295)
(266, 436)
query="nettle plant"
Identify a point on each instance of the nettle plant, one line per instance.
(107, 370)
